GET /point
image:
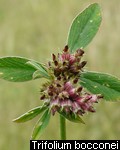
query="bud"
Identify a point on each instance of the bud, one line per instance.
(50, 93)
(100, 96)
(57, 72)
(75, 80)
(54, 109)
(65, 48)
(58, 85)
(49, 64)
(79, 89)
(80, 52)
(42, 97)
(78, 59)
(64, 63)
(56, 63)
(91, 109)
(82, 64)
(53, 57)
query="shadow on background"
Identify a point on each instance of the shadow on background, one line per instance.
(35, 29)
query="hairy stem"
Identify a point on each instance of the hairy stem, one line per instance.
(62, 128)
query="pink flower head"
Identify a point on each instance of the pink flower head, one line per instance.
(63, 91)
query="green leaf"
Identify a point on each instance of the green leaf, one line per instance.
(16, 69)
(30, 114)
(84, 27)
(72, 117)
(41, 70)
(101, 83)
(41, 125)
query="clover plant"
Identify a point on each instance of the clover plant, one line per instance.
(69, 89)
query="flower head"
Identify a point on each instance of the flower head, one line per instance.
(63, 92)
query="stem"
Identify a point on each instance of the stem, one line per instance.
(62, 128)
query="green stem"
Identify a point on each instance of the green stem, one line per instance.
(62, 128)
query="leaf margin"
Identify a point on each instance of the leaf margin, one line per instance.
(107, 98)
(30, 114)
(68, 36)
(41, 125)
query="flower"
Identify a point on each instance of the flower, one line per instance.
(63, 92)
